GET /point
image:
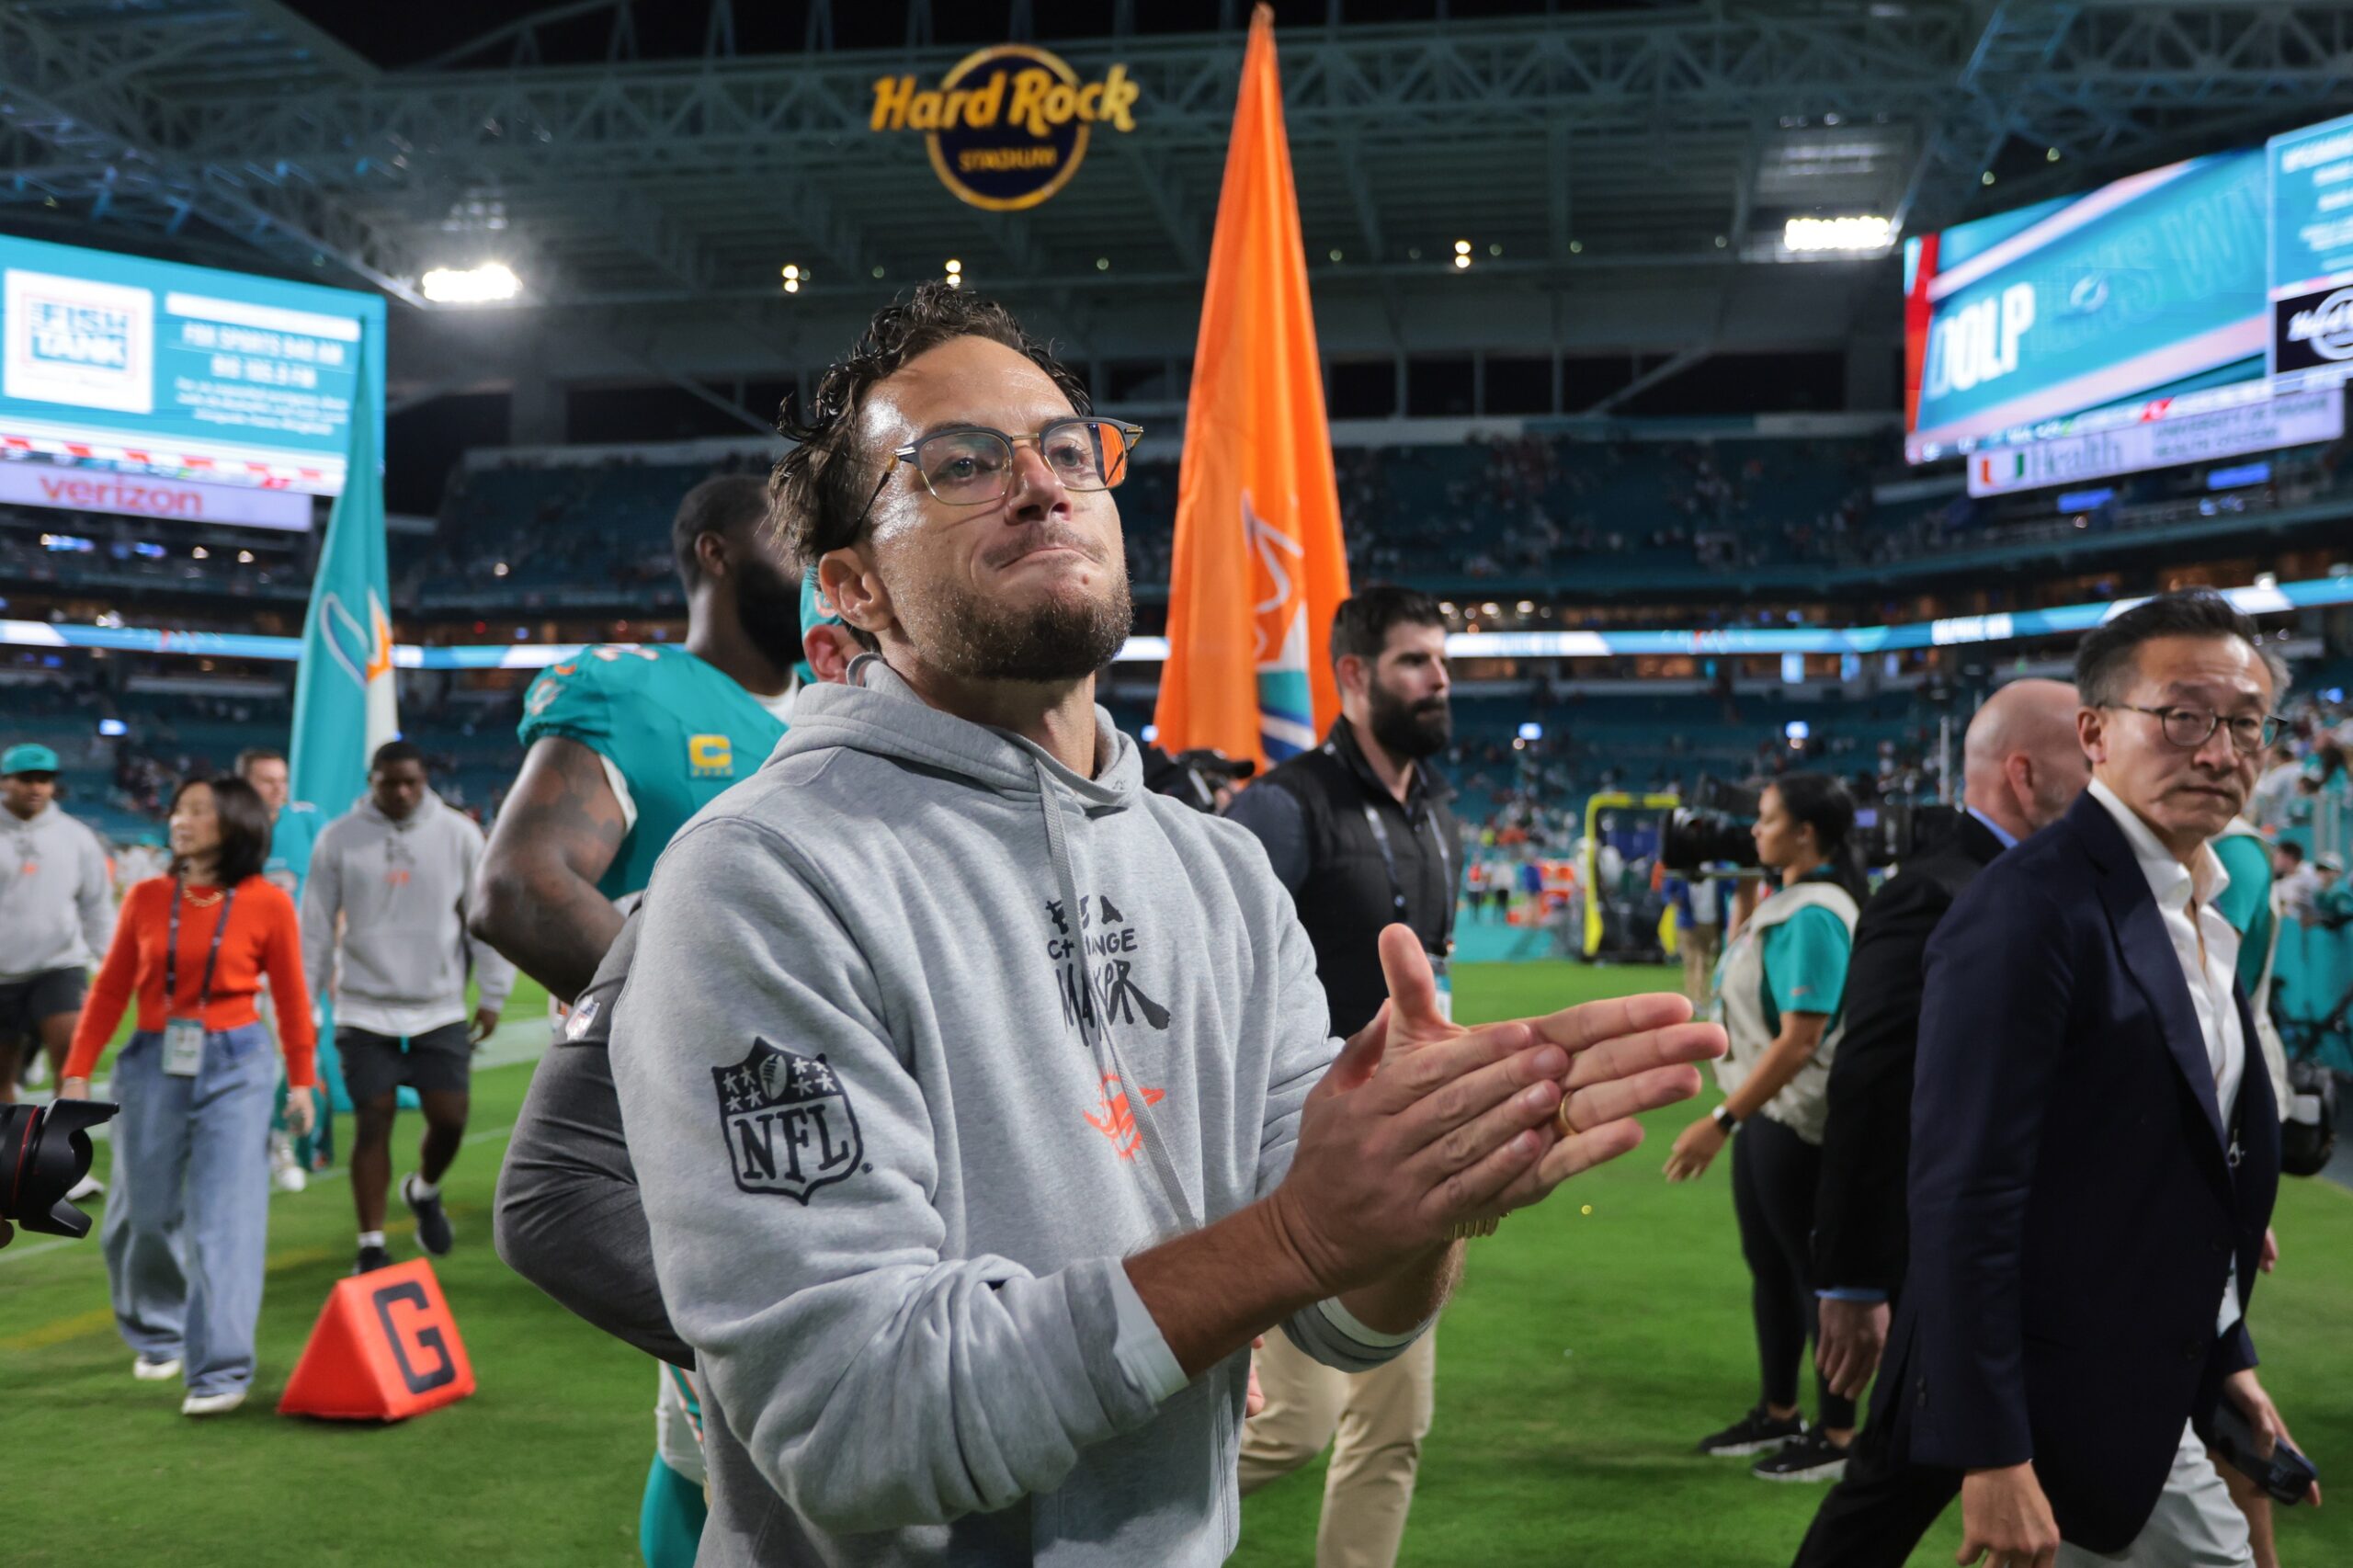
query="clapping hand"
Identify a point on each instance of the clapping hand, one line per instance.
(1422, 1124)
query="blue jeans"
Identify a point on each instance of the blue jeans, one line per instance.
(188, 1213)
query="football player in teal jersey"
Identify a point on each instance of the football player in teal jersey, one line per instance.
(625, 742)
(293, 828)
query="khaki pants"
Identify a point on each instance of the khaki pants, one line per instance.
(1379, 1419)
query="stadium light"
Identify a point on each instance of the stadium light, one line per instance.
(483, 285)
(1462, 247)
(1460, 262)
(955, 273)
(793, 278)
(1862, 233)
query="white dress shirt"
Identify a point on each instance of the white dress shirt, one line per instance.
(2209, 949)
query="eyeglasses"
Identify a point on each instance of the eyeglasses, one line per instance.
(972, 464)
(2190, 728)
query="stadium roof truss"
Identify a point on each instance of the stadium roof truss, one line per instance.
(1571, 150)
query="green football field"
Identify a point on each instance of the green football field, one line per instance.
(1586, 1353)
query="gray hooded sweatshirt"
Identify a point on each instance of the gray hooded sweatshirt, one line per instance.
(401, 889)
(56, 898)
(926, 1033)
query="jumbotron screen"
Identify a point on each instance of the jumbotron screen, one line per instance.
(183, 373)
(2146, 289)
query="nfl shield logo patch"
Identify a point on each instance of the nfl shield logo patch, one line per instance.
(788, 1122)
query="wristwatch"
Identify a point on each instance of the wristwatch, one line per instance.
(1723, 1118)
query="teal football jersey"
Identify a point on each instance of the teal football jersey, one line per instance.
(677, 729)
(291, 839)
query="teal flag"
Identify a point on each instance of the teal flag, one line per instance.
(343, 688)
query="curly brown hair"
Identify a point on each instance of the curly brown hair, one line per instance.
(821, 488)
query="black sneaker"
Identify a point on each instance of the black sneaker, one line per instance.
(1812, 1458)
(371, 1258)
(432, 1220)
(1754, 1433)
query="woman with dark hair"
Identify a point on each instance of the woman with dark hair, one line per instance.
(1778, 995)
(187, 1221)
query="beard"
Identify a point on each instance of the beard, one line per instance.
(769, 608)
(1062, 638)
(1410, 730)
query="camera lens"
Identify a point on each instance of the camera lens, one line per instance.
(51, 1149)
(1695, 837)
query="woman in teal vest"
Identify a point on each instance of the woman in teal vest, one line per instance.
(1778, 993)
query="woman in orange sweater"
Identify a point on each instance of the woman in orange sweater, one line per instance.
(187, 1219)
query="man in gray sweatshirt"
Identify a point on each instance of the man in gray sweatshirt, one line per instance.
(982, 1102)
(387, 892)
(56, 915)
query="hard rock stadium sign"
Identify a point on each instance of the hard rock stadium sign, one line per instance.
(1008, 126)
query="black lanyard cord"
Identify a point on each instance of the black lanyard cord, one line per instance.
(212, 957)
(1397, 887)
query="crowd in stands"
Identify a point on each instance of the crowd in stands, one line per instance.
(76, 550)
(1517, 509)
(524, 534)
(1487, 514)
(121, 783)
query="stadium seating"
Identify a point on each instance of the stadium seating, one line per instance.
(1545, 517)
(1567, 520)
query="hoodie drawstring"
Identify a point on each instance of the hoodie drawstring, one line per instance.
(1092, 1024)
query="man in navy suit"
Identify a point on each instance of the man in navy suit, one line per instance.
(2092, 1164)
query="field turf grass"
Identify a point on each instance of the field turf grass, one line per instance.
(1585, 1356)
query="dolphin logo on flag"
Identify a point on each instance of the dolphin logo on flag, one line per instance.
(1278, 608)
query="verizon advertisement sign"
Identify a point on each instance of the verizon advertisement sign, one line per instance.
(137, 495)
(2293, 420)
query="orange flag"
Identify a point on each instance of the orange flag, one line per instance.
(1260, 564)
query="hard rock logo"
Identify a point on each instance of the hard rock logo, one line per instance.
(1006, 127)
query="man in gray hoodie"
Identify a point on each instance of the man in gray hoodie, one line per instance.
(387, 890)
(56, 915)
(982, 1102)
